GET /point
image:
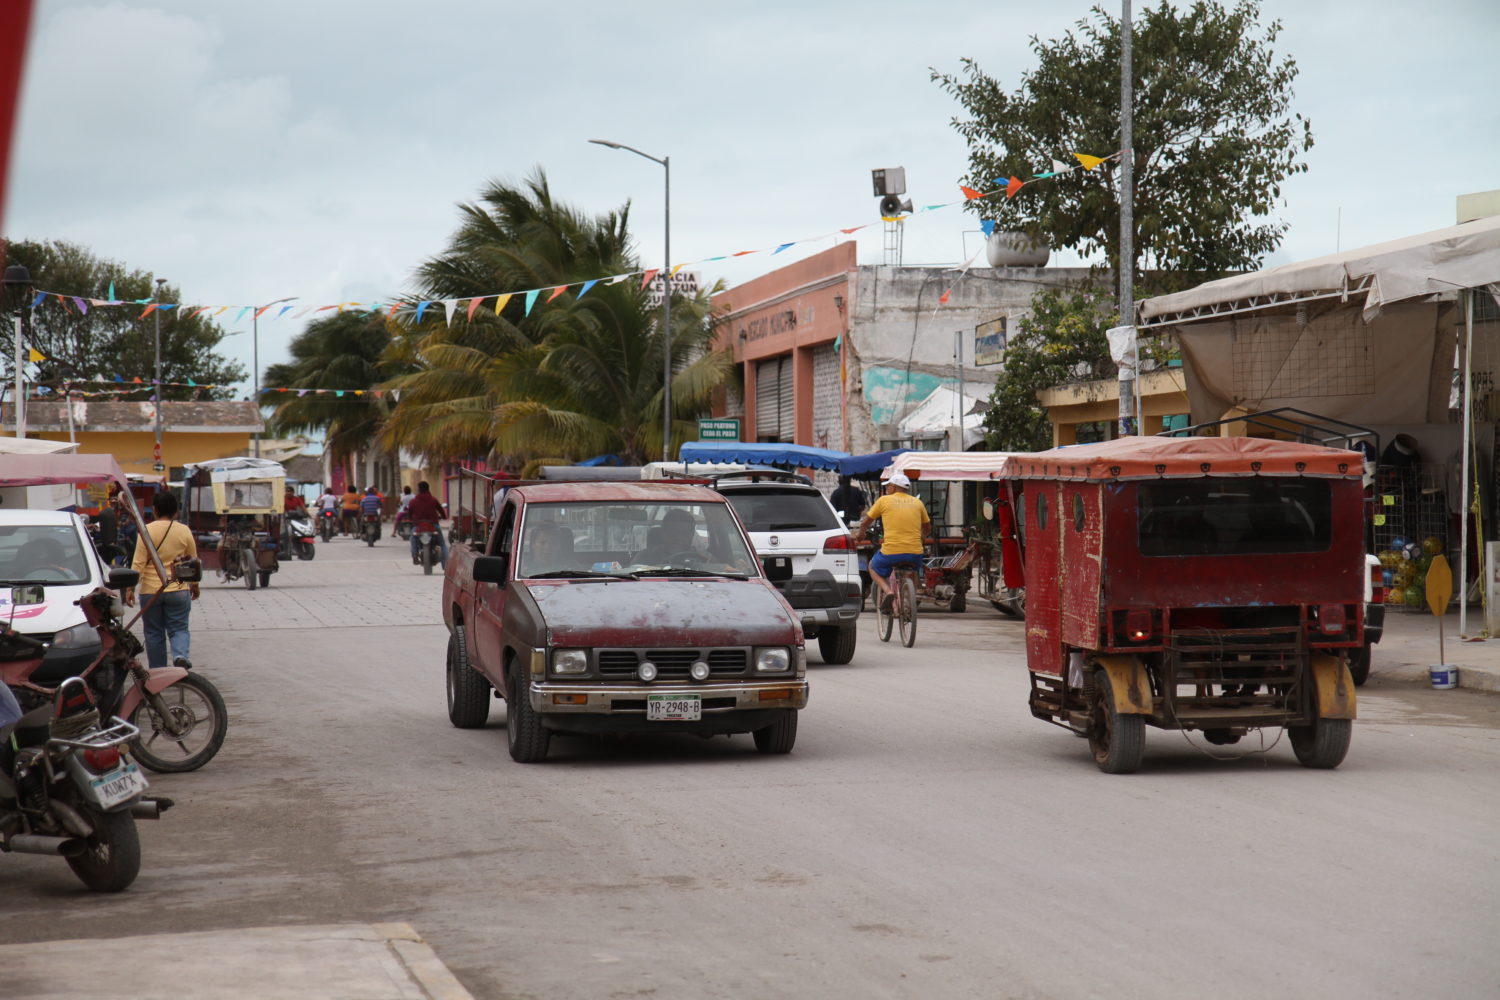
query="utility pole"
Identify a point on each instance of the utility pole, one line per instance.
(157, 462)
(1130, 363)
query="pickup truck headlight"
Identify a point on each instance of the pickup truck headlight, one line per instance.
(772, 660)
(570, 661)
(77, 637)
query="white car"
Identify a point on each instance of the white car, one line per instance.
(51, 548)
(806, 552)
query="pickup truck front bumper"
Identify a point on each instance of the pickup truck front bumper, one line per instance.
(727, 707)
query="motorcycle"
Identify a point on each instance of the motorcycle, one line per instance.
(68, 787)
(328, 523)
(298, 531)
(178, 716)
(369, 529)
(429, 553)
(403, 525)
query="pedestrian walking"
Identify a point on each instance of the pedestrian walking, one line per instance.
(168, 604)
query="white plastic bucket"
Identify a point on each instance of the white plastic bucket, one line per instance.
(1444, 675)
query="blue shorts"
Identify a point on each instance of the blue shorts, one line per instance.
(882, 564)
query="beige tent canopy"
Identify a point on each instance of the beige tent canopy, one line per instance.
(1366, 336)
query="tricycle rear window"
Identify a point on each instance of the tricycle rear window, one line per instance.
(1228, 517)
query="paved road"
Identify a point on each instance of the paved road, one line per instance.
(927, 836)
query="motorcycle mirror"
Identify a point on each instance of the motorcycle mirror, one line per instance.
(123, 578)
(31, 593)
(989, 510)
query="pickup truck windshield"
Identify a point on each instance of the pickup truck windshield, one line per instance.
(632, 537)
(1225, 517)
(42, 553)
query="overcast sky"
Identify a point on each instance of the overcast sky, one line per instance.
(317, 148)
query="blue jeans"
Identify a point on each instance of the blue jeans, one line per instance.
(442, 541)
(166, 619)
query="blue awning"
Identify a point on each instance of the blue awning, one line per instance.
(795, 456)
(861, 466)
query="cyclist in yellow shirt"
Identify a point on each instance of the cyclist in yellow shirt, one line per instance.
(907, 529)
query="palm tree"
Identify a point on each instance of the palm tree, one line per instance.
(342, 356)
(577, 376)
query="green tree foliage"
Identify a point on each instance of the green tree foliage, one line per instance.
(113, 340)
(578, 375)
(338, 352)
(1213, 137)
(1061, 340)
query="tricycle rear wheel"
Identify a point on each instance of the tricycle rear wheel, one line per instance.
(1118, 741)
(1322, 744)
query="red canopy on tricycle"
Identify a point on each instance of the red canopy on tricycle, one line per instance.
(1178, 457)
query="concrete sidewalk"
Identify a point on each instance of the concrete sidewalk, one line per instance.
(340, 962)
(1410, 646)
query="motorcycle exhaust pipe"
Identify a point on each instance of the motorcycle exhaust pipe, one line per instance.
(66, 847)
(150, 808)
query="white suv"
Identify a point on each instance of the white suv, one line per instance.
(51, 548)
(805, 550)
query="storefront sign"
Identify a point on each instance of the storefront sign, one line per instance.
(989, 342)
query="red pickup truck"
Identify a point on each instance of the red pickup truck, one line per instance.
(620, 607)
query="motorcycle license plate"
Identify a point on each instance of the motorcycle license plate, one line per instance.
(120, 785)
(674, 707)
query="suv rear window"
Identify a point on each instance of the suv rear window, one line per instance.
(776, 508)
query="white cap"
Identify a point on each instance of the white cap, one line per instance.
(900, 479)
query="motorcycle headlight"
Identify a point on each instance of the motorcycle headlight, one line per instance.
(772, 660)
(77, 637)
(570, 661)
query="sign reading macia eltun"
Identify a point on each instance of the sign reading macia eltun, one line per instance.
(718, 428)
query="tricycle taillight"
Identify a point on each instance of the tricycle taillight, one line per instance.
(1138, 626)
(1331, 619)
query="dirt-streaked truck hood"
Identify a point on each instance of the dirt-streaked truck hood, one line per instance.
(664, 612)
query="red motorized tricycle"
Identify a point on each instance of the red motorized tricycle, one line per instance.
(1209, 584)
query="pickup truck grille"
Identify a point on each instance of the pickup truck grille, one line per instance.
(672, 664)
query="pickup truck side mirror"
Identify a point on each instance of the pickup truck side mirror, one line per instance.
(122, 578)
(490, 569)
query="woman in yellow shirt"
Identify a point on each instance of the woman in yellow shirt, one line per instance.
(166, 617)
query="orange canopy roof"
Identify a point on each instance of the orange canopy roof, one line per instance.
(1167, 457)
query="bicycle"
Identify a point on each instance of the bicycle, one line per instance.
(903, 608)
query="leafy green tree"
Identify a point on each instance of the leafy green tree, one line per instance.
(343, 353)
(578, 375)
(109, 341)
(1213, 134)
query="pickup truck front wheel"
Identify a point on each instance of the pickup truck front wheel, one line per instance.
(780, 736)
(468, 691)
(523, 727)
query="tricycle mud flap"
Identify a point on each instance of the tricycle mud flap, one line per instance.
(1334, 687)
(1128, 681)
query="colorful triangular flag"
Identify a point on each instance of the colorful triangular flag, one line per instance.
(970, 193)
(1089, 162)
(1013, 186)
(531, 300)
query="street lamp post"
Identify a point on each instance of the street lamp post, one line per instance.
(156, 464)
(255, 355)
(666, 297)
